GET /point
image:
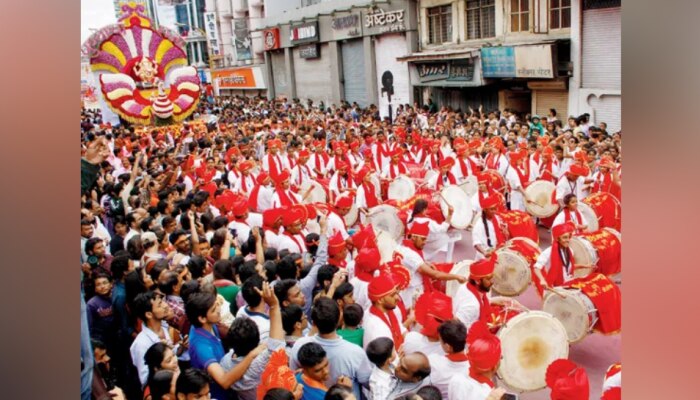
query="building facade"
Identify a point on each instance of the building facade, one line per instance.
(331, 51)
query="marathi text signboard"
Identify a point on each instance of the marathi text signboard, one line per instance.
(346, 27)
(517, 62)
(432, 71)
(454, 70)
(309, 51)
(212, 33)
(462, 70)
(378, 21)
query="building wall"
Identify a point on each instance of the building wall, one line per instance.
(388, 48)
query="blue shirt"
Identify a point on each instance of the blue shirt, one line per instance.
(206, 349)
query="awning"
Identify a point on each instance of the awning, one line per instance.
(436, 55)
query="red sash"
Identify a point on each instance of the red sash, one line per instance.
(567, 218)
(555, 275)
(435, 160)
(484, 305)
(300, 244)
(480, 378)
(274, 164)
(285, 199)
(370, 196)
(463, 167)
(457, 357)
(392, 323)
(402, 169)
(450, 177)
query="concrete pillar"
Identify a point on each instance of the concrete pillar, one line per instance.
(289, 70)
(575, 80)
(337, 86)
(370, 71)
(269, 77)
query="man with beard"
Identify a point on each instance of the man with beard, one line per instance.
(384, 316)
(292, 239)
(183, 244)
(246, 181)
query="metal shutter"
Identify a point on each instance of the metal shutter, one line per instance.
(279, 74)
(556, 99)
(313, 76)
(608, 109)
(602, 49)
(353, 58)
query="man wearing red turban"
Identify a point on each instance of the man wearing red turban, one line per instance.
(396, 166)
(489, 231)
(412, 257)
(293, 221)
(272, 162)
(341, 182)
(367, 262)
(567, 381)
(367, 194)
(572, 182)
(431, 310)
(445, 177)
(301, 173)
(261, 197)
(283, 196)
(318, 161)
(555, 265)
(484, 353)
(337, 251)
(240, 223)
(384, 317)
(245, 182)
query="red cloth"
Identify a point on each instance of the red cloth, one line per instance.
(607, 208)
(420, 229)
(520, 224)
(370, 195)
(607, 299)
(484, 348)
(484, 305)
(431, 310)
(389, 318)
(440, 180)
(567, 381)
(555, 275)
(609, 249)
(483, 268)
(380, 286)
(401, 169)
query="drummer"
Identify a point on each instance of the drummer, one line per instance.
(572, 183)
(341, 181)
(489, 231)
(570, 213)
(292, 238)
(607, 178)
(495, 160)
(558, 259)
(318, 161)
(283, 195)
(336, 216)
(465, 166)
(435, 157)
(367, 196)
(437, 237)
(396, 166)
(445, 177)
(484, 192)
(272, 163)
(411, 251)
(261, 197)
(246, 181)
(301, 173)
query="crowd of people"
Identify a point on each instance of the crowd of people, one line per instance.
(208, 273)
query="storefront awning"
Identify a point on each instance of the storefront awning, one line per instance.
(449, 54)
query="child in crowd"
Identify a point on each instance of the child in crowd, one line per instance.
(351, 331)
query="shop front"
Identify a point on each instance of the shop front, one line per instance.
(245, 81)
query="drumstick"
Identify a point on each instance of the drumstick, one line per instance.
(555, 292)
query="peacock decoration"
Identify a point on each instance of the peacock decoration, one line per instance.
(145, 78)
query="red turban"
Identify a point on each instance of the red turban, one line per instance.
(399, 274)
(380, 286)
(245, 166)
(482, 178)
(548, 151)
(462, 150)
(355, 145)
(367, 151)
(578, 170)
(362, 173)
(561, 229)
(483, 268)
(281, 177)
(543, 140)
(366, 262)
(365, 237)
(344, 201)
(276, 375)
(239, 207)
(397, 152)
(447, 162)
(491, 201)
(496, 142)
(304, 153)
(336, 244)
(294, 215)
(606, 162)
(484, 347)
(567, 381)
(272, 215)
(419, 229)
(614, 393)
(459, 141)
(310, 211)
(522, 145)
(262, 177)
(432, 309)
(474, 144)
(341, 165)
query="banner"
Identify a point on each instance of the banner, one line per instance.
(242, 40)
(212, 31)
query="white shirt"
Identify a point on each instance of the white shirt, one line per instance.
(312, 164)
(417, 342)
(380, 384)
(463, 387)
(145, 339)
(442, 370)
(613, 381)
(517, 201)
(294, 246)
(465, 306)
(237, 186)
(336, 224)
(272, 239)
(545, 260)
(338, 183)
(277, 203)
(564, 187)
(265, 198)
(376, 328)
(412, 261)
(479, 236)
(561, 218)
(359, 293)
(300, 175)
(242, 230)
(261, 320)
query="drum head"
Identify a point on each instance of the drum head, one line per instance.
(401, 189)
(386, 245)
(572, 311)
(512, 275)
(589, 214)
(470, 186)
(430, 175)
(529, 343)
(462, 213)
(496, 180)
(584, 252)
(526, 240)
(540, 192)
(351, 216)
(462, 269)
(317, 195)
(386, 218)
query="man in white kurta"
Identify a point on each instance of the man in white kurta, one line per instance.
(292, 239)
(366, 264)
(488, 233)
(463, 387)
(572, 182)
(301, 173)
(383, 294)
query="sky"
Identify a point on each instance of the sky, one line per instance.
(94, 14)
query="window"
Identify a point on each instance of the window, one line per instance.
(519, 15)
(440, 24)
(481, 19)
(559, 14)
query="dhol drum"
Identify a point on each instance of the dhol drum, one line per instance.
(593, 303)
(352, 215)
(415, 171)
(317, 194)
(402, 188)
(386, 218)
(590, 216)
(573, 309)
(530, 341)
(542, 194)
(599, 251)
(513, 272)
(386, 245)
(470, 185)
(462, 212)
(520, 224)
(608, 209)
(462, 269)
